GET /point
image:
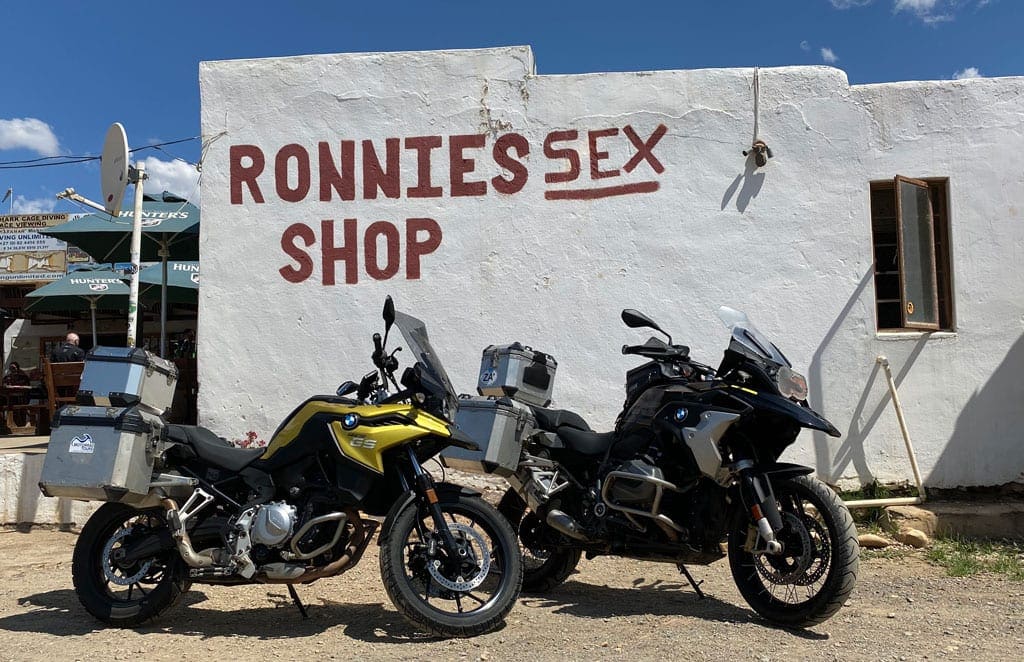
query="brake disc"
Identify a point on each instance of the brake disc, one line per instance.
(460, 583)
(110, 571)
(787, 568)
(821, 551)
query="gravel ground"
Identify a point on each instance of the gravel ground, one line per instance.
(611, 609)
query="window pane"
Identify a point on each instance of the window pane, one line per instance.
(917, 255)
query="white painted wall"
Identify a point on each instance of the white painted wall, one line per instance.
(789, 243)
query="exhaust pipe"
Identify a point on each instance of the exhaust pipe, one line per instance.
(565, 524)
(184, 544)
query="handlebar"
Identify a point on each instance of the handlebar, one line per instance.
(662, 352)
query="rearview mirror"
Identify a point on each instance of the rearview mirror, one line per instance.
(634, 319)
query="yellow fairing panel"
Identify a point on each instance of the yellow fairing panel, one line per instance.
(380, 428)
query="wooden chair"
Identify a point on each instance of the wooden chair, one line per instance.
(62, 380)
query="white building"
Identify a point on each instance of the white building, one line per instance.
(499, 205)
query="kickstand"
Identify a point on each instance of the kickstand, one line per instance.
(689, 577)
(302, 607)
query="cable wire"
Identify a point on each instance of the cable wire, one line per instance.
(65, 160)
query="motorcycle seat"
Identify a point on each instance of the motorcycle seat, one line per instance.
(213, 449)
(586, 442)
(550, 420)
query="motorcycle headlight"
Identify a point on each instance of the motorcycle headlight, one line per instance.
(791, 384)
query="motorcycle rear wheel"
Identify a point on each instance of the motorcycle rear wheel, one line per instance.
(464, 602)
(813, 577)
(544, 568)
(118, 593)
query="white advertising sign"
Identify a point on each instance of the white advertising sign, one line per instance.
(27, 256)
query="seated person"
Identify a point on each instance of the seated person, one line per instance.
(16, 376)
(68, 350)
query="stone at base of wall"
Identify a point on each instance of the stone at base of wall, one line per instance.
(967, 519)
(21, 502)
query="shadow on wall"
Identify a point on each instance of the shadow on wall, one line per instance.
(861, 425)
(752, 180)
(831, 464)
(815, 375)
(988, 440)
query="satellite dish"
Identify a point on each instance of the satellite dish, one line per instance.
(114, 168)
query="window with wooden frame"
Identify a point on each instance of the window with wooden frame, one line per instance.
(912, 271)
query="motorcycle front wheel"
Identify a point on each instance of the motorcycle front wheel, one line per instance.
(452, 595)
(814, 575)
(117, 591)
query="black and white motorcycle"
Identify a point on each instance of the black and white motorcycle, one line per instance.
(689, 475)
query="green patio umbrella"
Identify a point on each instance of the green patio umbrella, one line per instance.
(81, 290)
(182, 281)
(170, 226)
(170, 229)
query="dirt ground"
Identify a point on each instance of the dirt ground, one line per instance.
(611, 609)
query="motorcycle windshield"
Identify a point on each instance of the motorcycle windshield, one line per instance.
(415, 333)
(745, 334)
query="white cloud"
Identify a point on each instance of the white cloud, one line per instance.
(23, 205)
(916, 6)
(969, 72)
(829, 56)
(928, 10)
(805, 46)
(29, 133)
(174, 176)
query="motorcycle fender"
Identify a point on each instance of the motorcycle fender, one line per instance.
(446, 493)
(782, 470)
(805, 416)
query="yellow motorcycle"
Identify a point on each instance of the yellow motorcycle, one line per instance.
(296, 511)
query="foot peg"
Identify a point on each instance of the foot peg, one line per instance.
(565, 524)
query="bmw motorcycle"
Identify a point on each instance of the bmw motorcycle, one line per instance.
(689, 475)
(298, 510)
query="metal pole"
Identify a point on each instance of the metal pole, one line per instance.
(163, 302)
(903, 424)
(139, 173)
(898, 501)
(92, 309)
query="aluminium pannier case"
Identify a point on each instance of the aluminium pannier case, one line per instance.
(517, 372)
(498, 426)
(126, 377)
(101, 454)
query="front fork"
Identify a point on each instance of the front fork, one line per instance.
(424, 486)
(759, 501)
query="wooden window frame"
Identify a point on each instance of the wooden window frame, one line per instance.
(906, 306)
(939, 190)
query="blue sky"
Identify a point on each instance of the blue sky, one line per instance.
(70, 69)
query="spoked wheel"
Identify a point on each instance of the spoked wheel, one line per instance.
(118, 591)
(545, 566)
(814, 575)
(460, 594)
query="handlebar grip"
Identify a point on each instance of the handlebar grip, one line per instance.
(378, 351)
(629, 349)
